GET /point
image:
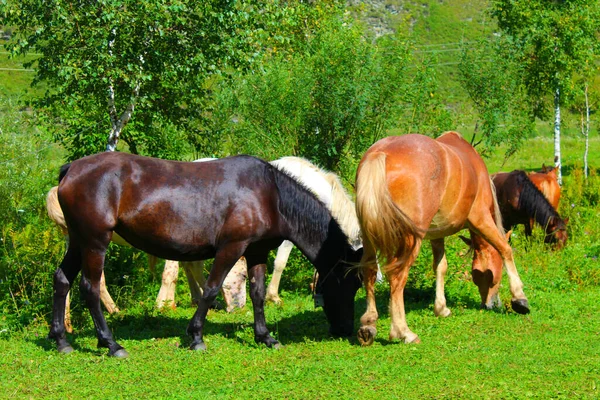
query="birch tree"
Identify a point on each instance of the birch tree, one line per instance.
(105, 61)
(552, 40)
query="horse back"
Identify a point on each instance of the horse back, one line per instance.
(171, 209)
(548, 185)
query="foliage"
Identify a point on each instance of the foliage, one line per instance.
(493, 84)
(105, 59)
(332, 100)
(552, 41)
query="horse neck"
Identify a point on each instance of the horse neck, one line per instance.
(309, 224)
(327, 187)
(536, 205)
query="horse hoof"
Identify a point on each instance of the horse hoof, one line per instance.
(121, 353)
(443, 313)
(415, 340)
(276, 346)
(198, 346)
(65, 349)
(520, 306)
(366, 335)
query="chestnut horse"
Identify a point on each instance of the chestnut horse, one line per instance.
(547, 181)
(412, 188)
(520, 201)
(184, 211)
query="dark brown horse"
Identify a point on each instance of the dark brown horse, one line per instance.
(223, 209)
(412, 188)
(520, 201)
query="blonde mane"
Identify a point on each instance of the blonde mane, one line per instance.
(342, 207)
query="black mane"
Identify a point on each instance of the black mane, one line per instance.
(534, 203)
(303, 211)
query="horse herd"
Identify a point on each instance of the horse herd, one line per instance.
(237, 209)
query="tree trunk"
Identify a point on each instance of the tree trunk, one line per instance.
(557, 162)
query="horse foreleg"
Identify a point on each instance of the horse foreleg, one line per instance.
(93, 261)
(398, 277)
(440, 266)
(368, 321)
(166, 294)
(256, 273)
(234, 286)
(63, 279)
(283, 254)
(225, 258)
(194, 271)
(489, 232)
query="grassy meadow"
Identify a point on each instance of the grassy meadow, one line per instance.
(553, 352)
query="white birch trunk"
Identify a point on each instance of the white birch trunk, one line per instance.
(118, 123)
(557, 162)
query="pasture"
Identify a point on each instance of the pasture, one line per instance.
(554, 352)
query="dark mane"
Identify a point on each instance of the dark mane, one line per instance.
(302, 210)
(534, 203)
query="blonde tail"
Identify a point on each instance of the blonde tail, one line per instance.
(497, 214)
(384, 226)
(54, 211)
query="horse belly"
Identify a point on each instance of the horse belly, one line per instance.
(442, 226)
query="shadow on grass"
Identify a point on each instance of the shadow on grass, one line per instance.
(306, 325)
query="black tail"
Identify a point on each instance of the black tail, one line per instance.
(63, 171)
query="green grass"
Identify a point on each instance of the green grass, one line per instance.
(554, 352)
(16, 79)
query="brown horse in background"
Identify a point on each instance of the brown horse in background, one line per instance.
(547, 181)
(184, 211)
(521, 201)
(412, 188)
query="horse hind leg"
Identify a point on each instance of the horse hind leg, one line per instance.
(283, 254)
(234, 286)
(63, 279)
(440, 266)
(368, 329)
(397, 278)
(194, 271)
(93, 261)
(108, 302)
(166, 294)
(225, 259)
(256, 273)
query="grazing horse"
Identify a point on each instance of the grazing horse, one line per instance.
(324, 184)
(412, 188)
(520, 201)
(222, 209)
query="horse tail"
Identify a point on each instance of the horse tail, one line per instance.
(54, 211)
(497, 214)
(63, 171)
(384, 226)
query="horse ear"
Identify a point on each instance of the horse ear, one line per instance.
(508, 234)
(468, 241)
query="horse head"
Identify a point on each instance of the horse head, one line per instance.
(339, 288)
(556, 232)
